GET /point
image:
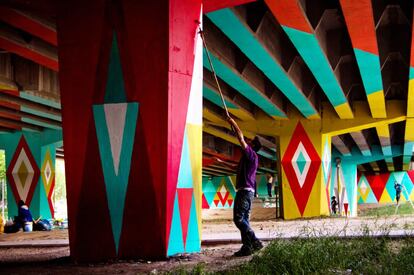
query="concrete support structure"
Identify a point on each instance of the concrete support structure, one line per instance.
(131, 82)
(30, 166)
(305, 171)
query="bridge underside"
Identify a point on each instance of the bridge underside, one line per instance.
(124, 93)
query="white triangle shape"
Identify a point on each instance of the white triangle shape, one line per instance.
(115, 114)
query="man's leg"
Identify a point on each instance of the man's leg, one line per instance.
(241, 215)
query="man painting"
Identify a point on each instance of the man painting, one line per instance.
(245, 185)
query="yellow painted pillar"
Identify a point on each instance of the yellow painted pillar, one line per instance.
(306, 162)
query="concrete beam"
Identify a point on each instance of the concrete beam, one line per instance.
(359, 13)
(34, 50)
(30, 24)
(341, 146)
(361, 142)
(303, 37)
(251, 44)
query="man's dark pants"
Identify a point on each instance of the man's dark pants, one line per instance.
(241, 215)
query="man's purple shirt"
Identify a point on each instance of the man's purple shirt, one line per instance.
(246, 171)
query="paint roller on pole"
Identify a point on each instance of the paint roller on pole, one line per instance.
(214, 73)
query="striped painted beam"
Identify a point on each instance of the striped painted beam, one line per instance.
(359, 19)
(383, 133)
(238, 82)
(408, 143)
(211, 93)
(30, 24)
(212, 5)
(362, 143)
(375, 166)
(341, 146)
(235, 28)
(36, 50)
(231, 138)
(410, 96)
(18, 124)
(295, 24)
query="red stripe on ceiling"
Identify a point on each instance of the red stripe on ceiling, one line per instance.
(9, 105)
(10, 116)
(10, 92)
(30, 25)
(360, 22)
(289, 14)
(10, 126)
(29, 54)
(212, 5)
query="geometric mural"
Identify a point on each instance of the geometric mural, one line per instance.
(48, 178)
(115, 124)
(301, 163)
(23, 173)
(379, 189)
(184, 226)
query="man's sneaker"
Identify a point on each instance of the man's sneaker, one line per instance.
(244, 251)
(257, 245)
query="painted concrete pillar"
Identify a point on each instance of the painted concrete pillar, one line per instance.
(306, 162)
(130, 79)
(353, 188)
(30, 166)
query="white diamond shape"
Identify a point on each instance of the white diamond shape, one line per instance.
(301, 176)
(223, 191)
(326, 159)
(23, 189)
(48, 172)
(363, 187)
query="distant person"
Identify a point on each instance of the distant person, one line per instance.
(398, 188)
(269, 184)
(245, 185)
(334, 205)
(24, 220)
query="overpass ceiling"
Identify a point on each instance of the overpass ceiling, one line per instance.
(272, 58)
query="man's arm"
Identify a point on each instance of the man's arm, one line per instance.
(239, 133)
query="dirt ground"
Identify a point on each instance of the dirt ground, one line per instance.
(219, 243)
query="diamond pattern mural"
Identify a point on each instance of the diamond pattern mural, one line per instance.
(301, 163)
(115, 123)
(380, 188)
(48, 178)
(23, 173)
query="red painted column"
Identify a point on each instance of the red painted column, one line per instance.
(156, 42)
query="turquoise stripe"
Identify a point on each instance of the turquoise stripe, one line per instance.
(39, 123)
(235, 81)
(228, 22)
(308, 47)
(115, 90)
(39, 113)
(266, 155)
(215, 98)
(411, 72)
(40, 100)
(370, 68)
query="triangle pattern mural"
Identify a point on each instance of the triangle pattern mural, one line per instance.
(175, 243)
(185, 196)
(115, 123)
(23, 173)
(48, 177)
(301, 180)
(193, 243)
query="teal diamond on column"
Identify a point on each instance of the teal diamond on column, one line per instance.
(115, 123)
(301, 162)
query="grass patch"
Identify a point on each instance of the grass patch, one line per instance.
(387, 210)
(327, 256)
